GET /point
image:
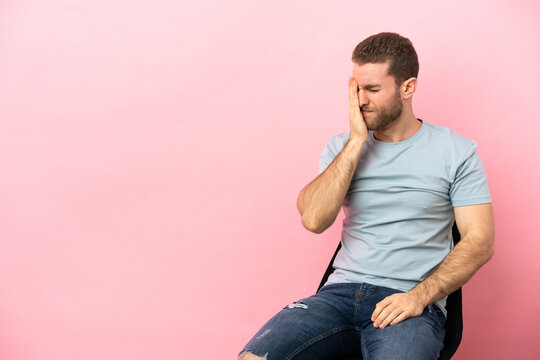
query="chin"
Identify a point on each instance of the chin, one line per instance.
(371, 125)
(378, 126)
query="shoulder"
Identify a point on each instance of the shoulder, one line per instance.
(450, 141)
(337, 142)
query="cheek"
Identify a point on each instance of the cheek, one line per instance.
(385, 101)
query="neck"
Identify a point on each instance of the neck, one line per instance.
(403, 128)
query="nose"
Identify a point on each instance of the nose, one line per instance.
(362, 99)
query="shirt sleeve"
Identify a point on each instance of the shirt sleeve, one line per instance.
(327, 156)
(470, 185)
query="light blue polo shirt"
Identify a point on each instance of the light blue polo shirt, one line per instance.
(399, 206)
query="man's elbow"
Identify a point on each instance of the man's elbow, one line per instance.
(488, 250)
(312, 226)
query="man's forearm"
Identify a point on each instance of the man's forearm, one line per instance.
(455, 270)
(319, 202)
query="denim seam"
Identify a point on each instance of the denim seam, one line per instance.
(365, 293)
(361, 294)
(364, 345)
(318, 338)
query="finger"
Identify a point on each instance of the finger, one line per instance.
(353, 95)
(379, 307)
(391, 317)
(384, 314)
(399, 318)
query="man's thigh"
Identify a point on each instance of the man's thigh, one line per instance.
(419, 338)
(318, 327)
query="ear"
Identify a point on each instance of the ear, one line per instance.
(408, 87)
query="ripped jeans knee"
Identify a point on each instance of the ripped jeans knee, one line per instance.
(250, 355)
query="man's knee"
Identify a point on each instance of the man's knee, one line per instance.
(247, 355)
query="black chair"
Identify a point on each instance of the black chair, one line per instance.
(454, 320)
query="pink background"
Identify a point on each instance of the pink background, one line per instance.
(151, 154)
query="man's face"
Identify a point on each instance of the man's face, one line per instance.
(378, 96)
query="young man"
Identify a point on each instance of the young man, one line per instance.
(401, 182)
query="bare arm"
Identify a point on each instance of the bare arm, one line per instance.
(475, 224)
(319, 201)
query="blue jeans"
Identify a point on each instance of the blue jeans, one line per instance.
(335, 323)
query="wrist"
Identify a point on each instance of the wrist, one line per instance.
(356, 142)
(421, 295)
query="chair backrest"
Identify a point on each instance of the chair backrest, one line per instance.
(454, 321)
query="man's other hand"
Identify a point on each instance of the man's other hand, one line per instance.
(395, 308)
